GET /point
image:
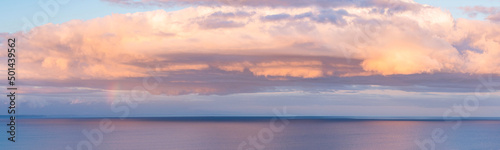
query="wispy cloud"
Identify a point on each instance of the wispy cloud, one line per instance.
(492, 12)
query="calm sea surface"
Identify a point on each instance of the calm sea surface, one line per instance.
(229, 134)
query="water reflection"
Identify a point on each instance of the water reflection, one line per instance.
(131, 134)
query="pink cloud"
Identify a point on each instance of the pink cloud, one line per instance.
(295, 43)
(492, 12)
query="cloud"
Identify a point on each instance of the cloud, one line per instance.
(305, 69)
(492, 12)
(391, 5)
(216, 23)
(273, 3)
(494, 17)
(256, 75)
(480, 9)
(251, 45)
(276, 17)
(181, 67)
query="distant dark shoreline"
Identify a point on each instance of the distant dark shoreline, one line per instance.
(256, 118)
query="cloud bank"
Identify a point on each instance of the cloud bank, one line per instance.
(259, 41)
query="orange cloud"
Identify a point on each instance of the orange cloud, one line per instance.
(306, 69)
(418, 40)
(180, 67)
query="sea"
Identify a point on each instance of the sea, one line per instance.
(249, 133)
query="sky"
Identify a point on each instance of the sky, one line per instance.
(131, 58)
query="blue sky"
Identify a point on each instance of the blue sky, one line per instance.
(82, 10)
(454, 6)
